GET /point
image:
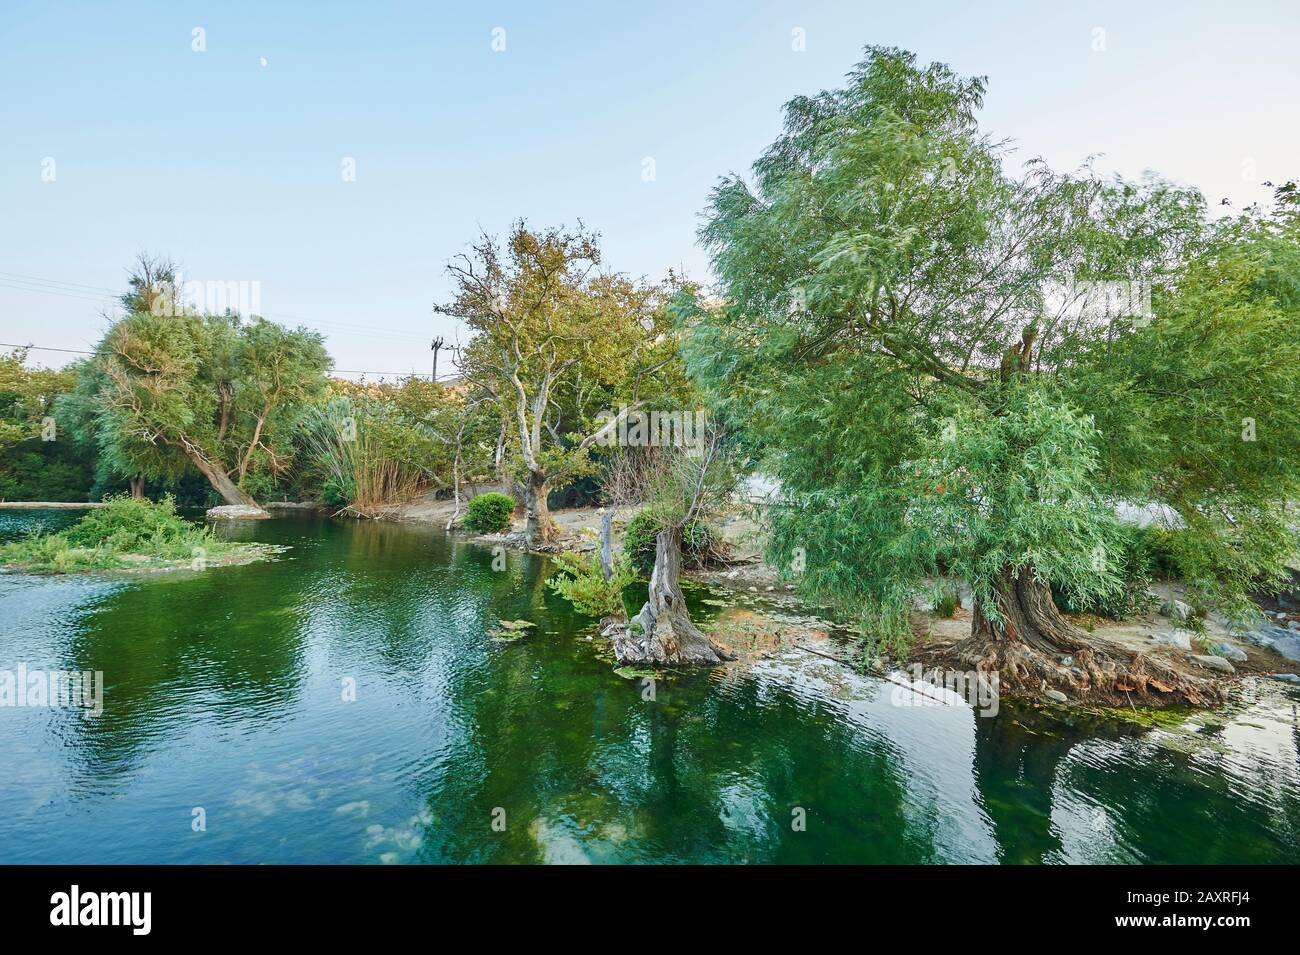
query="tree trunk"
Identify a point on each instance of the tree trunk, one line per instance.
(455, 474)
(1022, 635)
(669, 637)
(607, 543)
(1028, 616)
(220, 481)
(137, 487)
(540, 527)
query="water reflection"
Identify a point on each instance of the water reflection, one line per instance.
(227, 689)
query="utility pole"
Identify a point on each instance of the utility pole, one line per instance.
(437, 344)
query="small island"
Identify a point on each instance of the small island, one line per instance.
(132, 535)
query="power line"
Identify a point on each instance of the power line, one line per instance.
(35, 278)
(335, 371)
(70, 351)
(43, 286)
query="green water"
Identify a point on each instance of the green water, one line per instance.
(224, 691)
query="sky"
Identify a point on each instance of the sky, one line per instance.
(124, 130)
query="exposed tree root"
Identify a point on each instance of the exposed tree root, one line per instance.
(1030, 645)
(673, 641)
(666, 635)
(1099, 673)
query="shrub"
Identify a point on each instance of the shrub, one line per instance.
(489, 513)
(1154, 547)
(580, 581)
(1146, 554)
(947, 603)
(700, 543)
(127, 525)
(363, 455)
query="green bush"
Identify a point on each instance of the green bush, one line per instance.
(700, 543)
(36, 470)
(1146, 554)
(947, 603)
(580, 581)
(1155, 547)
(128, 525)
(489, 513)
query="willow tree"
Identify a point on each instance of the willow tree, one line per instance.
(946, 368)
(213, 392)
(558, 345)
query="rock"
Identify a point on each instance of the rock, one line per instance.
(1266, 635)
(1289, 647)
(1285, 677)
(236, 512)
(1293, 625)
(1228, 652)
(1182, 639)
(1056, 696)
(1213, 663)
(1175, 610)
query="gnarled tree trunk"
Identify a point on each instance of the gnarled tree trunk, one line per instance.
(669, 637)
(1022, 635)
(220, 481)
(540, 528)
(137, 487)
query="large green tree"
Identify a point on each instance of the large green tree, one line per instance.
(931, 354)
(557, 342)
(218, 393)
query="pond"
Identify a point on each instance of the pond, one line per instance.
(229, 734)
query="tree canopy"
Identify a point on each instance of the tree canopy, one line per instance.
(556, 341)
(215, 391)
(930, 355)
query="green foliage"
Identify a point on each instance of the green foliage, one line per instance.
(1153, 550)
(700, 543)
(978, 493)
(124, 533)
(489, 513)
(36, 470)
(891, 353)
(580, 580)
(947, 603)
(27, 397)
(368, 447)
(559, 342)
(40, 457)
(166, 392)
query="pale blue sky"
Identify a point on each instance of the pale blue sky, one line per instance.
(233, 168)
